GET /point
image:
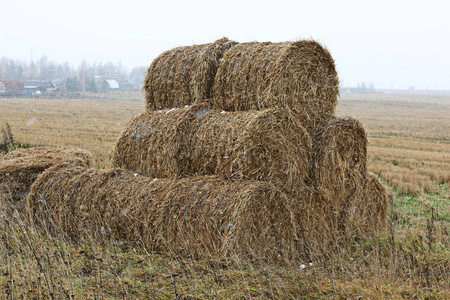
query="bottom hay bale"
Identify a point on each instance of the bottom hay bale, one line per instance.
(201, 216)
(19, 168)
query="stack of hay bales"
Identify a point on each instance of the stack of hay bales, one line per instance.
(261, 169)
(300, 77)
(299, 81)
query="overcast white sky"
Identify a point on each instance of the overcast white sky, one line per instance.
(394, 44)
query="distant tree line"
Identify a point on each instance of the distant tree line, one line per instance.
(82, 78)
(361, 87)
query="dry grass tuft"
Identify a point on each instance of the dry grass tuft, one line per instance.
(267, 145)
(184, 75)
(6, 137)
(299, 76)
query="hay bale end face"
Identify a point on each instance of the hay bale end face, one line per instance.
(199, 216)
(19, 168)
(184, 75)
(268, 145)
(339, 167)
(299, 76)
(156, 144)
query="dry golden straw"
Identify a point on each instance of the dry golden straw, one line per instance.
(339, 167)
(299, 76)
(374, 205)
(201, 216)
(183, 75)
(19, 168)
(365, 211)
(268, 145)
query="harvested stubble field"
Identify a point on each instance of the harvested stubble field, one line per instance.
(409, 148)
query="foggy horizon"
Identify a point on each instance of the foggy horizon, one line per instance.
(392, 45)
(369, 85)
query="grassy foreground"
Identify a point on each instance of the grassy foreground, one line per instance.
(409, 148)
(411, 261)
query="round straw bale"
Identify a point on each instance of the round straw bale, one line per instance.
(199, 216)
(267, 145)
(299, 76)
(339, 165)
(156, 144)
(183, 75)
(19, 168)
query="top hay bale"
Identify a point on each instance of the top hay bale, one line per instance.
(183, 75)
(299, 76)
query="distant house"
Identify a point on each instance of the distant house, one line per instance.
(58, 83)
(11, 87)
(130, 85)
(110, 85)
(33, 87)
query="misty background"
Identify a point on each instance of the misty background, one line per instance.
(381, 44)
